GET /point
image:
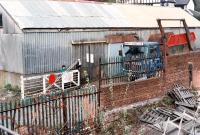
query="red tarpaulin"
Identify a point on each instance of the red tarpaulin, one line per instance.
(179, 39)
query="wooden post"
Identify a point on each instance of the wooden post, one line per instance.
(99, 91)
(44, 84)
(79, 78)
(89, 72)
(190, 69)
(13, 118)
(187, 35)
(64, 110)
(164, 40)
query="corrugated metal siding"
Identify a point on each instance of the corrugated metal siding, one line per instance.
(46, 52)
(11, 52)
(9, 26)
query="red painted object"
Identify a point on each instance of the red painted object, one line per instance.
(179, 39)
(52, 79)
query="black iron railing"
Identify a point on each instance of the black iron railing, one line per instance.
(120, 69)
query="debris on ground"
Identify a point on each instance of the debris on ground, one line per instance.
(125, 120)
(9, 93)
(182, 96)
(183, 119)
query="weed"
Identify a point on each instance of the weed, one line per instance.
(167, 101)
(14, 89)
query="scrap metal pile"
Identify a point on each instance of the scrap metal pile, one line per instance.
(184, 119)
(182, 96)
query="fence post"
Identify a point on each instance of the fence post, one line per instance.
(64, 111)
(79, 78)
(44, 84)
(99, 91)
(22, 87)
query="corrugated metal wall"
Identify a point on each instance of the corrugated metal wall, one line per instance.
(9, 26)
(42, 52)
(11, 52)
(11, 38)
(46, 52)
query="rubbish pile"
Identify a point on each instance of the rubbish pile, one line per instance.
(182, 96)
(184, 119)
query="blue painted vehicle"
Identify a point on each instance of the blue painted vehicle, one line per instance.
(141, 59)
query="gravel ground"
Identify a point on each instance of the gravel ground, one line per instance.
(144, 130)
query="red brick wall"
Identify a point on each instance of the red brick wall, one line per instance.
(196, 78)
(121, 38)
(177, 72)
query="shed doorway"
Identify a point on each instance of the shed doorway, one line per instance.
(89, 54)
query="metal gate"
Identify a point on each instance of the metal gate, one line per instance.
(35, 85)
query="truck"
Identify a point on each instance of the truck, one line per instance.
(141, 60)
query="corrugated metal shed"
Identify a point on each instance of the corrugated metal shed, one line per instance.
(57, 14)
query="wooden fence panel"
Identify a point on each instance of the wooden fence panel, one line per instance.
(46, 113)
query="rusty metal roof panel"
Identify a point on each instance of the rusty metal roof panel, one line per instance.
(57, 14)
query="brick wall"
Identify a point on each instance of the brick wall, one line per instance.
(177, 72)
(121, 38)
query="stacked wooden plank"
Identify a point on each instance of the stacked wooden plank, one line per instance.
(182, 96)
